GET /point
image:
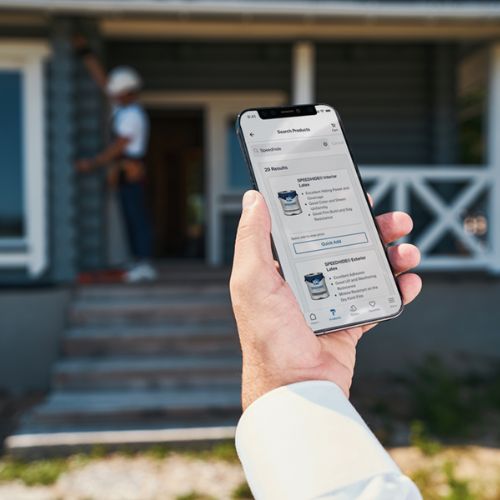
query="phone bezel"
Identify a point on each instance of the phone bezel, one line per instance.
(303, 112)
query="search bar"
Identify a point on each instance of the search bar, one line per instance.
(291, 147)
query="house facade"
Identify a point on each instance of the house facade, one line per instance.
(416, 83)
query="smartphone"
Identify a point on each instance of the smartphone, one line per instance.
(324, 233)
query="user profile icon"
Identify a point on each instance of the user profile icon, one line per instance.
(290, 202)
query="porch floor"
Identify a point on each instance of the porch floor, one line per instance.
(142, 363)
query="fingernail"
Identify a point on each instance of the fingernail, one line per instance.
(248, 199)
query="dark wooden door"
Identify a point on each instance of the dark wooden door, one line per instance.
(175, 182)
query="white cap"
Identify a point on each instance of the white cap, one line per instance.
(123, 79)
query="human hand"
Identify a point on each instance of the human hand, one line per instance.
(278, 346)
(84, 165)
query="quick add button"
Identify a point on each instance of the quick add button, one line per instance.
(344, 240)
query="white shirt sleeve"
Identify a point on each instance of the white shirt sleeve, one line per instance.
(306, 441)
(131, 122)
(128, 123)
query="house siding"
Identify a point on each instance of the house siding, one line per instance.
(206, 65)
(61, 152)
(90, 121)
(382, 94)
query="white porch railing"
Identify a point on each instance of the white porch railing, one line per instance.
(473, 246)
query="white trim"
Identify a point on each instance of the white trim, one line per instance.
(219, 107)
(28, 57)
(59, 440)
(303, 73)
(380, 9)
(493, 151)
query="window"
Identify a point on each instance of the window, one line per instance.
(23, 229)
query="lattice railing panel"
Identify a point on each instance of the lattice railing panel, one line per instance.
(455, 220)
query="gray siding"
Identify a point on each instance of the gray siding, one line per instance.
(207, 65)
(61, 153)
(383, 93)
(89, 117)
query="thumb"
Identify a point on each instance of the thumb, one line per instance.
(253, 240)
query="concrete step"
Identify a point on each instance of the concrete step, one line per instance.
(154, 290)
(168, 338)
(145, 407)
(182, 273)
(180, 372)
(40, 442)
(150, 310)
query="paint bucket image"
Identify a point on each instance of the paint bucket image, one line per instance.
(316, 285)
(290, 202)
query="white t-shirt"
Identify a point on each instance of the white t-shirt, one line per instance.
(132, 122)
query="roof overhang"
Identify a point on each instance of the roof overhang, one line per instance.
(489, 11)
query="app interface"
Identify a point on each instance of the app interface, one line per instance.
(327, 242)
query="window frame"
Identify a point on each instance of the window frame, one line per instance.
(29, 252)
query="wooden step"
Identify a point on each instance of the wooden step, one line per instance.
(145, 407)
(167, 338)
(180, 372)
(148, 311)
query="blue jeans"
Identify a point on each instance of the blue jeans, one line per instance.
(138, 224)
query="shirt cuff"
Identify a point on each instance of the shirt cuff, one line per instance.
(305, 441)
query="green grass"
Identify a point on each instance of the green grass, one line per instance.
(430, 483)
(47, 471)
(157, 452)
(194, 495)
(421, 440)
(452, 404)
(242, 492)
(459, 488)
(439, 399)
(224, 451)
(37, 472)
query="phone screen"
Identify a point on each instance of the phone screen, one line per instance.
(323, 231)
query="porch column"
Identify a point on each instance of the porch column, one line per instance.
(61, 139)
(493, 155)
(303, 73)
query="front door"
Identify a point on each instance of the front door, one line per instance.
(175, 182)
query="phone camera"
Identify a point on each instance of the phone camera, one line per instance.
(298, 110)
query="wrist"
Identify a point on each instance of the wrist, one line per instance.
(258, 380)
(262, 374)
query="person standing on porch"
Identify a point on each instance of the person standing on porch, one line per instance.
(124, 156)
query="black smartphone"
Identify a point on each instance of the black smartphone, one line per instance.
(324, 232)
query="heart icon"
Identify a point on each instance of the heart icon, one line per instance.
(372, 303)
